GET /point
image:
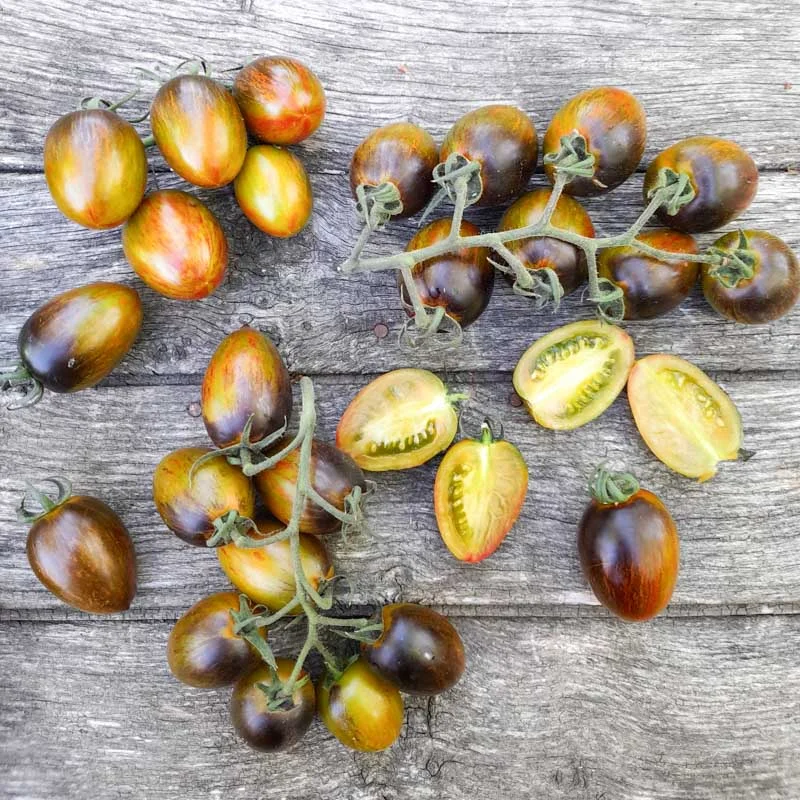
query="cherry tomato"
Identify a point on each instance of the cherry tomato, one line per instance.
(262, 728)
(567, 260)
(176, 245)
(273, 191)
(683, 416)
(614, 125)
(199, 130)
(361, 709)
(189, 506)
(333, 476)
(722, 174)
(461, 281)
(96, 167)
(400, 420)
(651, 287)
(281, 99)
(771, 292)
(502, 139)
(245, 378)
(204, 651)
(479, 491)
(574, 373)
(265, 574)
(402, 154)
(419, 651)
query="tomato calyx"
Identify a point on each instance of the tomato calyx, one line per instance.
(735, 266)
(376, 205)
(46, 502)
(612, 488)
(574, 159)
(18, 376)
(459, 180)
(674, 189)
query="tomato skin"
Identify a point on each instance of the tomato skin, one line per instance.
(96, 167)
(246, 377)
(281, 100)
(189, 508)
(461, 281)
(363, 710)
(723, 175)
(503, 140)
(651, 287)
(769, 294)
(333, 475)
(76, 339)
(402, 154)
(269, 730)
(419, 651)
(273, 191)
(203, 651)
(568, 261)
(630, 553)
(83, 554)
(199, 130)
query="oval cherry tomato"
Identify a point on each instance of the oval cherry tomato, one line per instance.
(281, 99)
(614, 125)
(502, 139)
(204, 651)
(273, 191)
(419, 651)
(771, 292)
(261, 727)
(722, 174)
(461, 281)
(683, 416)
(400, 420)
(245, 378)
(199, 130)
(479, 491)
(573, 374)
(651, 287)
(176, 245)
(189, 507)
(361, 709)
(96, 167)
(567, 260)
(402, 154)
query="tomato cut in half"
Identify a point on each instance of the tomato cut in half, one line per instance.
(574, 373)
(683, 416)
(479, 490)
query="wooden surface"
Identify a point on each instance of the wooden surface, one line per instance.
(560, 700)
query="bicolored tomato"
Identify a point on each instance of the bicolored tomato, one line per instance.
(199, 130)
(96, 167)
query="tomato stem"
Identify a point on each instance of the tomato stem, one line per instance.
(612, 488)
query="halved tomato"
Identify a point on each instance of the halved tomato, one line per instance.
(683, 416)
(573, 374)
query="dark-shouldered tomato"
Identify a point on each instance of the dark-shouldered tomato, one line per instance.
(203, 650)
(96, 167)
(479, 491)
(189, 504)
(176, 245)
(567, 260)
(613, 123)
(265, 729)
(461, 281)
(722, 174)
(400, 420)
(199, 130)
(419, 651)
(273, 191)
(245, 378)
(651, 287)
(402, 154)
(770, 292)
(574, 373)
(688, 422)
(502, 139)
(363, 710)
(281, 99)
